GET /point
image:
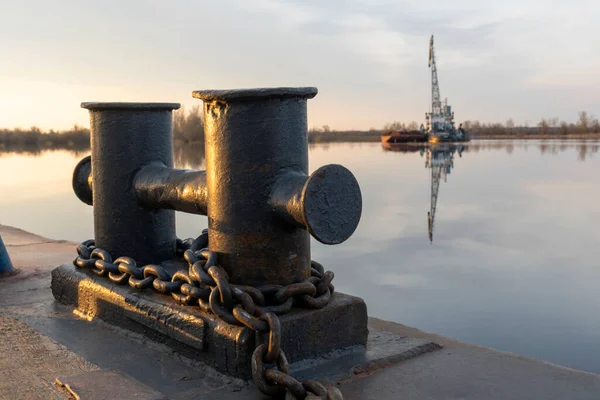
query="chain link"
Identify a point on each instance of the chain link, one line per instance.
(207, 286)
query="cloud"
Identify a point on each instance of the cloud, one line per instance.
(368, 57)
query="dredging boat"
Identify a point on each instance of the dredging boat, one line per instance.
(440, 121)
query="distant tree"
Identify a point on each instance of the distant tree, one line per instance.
(595, 125)
(510, 126)
(564, 128)
(326, 128)
(583, 120)
(544, 126)
(413, 126)
(553, 122)
(394, 126)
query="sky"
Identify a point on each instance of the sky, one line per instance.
(520, 59)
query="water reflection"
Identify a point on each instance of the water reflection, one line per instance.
(189, 155)
(584, 148)
(192, 155)
(439, 158)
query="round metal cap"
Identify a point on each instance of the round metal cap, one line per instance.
(332, 204)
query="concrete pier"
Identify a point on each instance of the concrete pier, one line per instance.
(47, 351)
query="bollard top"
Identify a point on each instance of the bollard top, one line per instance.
(255, 94)
(95, 105)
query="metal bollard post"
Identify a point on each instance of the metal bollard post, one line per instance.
(262, 204)
(6, 266)
(124, 138)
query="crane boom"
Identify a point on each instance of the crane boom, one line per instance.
(440, 159)
(436, 101)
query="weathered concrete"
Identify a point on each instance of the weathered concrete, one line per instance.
(102, 385)
(458, 371)
(30, 362)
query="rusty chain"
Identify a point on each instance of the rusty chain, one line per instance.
(206, 285)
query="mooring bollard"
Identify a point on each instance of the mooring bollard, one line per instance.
(6, 266)
(261, 203)
(262, 207)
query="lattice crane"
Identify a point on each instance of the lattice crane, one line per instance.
(440, 159)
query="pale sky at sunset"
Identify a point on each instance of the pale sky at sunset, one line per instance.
(523, 59)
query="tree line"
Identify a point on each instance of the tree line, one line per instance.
(188, 128)
(586, 124)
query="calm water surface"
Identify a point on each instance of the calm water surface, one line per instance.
(514, 262)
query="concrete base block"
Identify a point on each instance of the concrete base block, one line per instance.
(306, 334)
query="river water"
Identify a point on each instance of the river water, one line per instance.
(514, 259)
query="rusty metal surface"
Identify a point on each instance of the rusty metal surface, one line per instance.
(124, 138)
(161, 187)
(328, 203)
(82, 180)
(253, 94)
(257, 164)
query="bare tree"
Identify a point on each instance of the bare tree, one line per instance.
(544, 126)
(584, 120)
(394, 126)
(564, 128)
(413, 126)
(510, 125)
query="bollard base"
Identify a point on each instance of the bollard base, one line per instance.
(306, 334)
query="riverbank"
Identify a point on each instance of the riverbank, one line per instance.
(337, 137)
(56, 342)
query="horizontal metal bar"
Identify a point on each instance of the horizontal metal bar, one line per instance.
(160, 187)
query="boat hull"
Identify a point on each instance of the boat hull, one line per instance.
(404, 137)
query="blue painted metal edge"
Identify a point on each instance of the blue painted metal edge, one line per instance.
(5, 263)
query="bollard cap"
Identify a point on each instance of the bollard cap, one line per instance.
(255, 94)
(331, 204)
(94, 105)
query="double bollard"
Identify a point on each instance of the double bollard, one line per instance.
(260, 201)
(262, 207)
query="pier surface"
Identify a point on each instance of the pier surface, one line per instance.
(46, 351)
